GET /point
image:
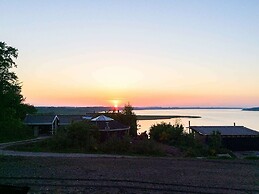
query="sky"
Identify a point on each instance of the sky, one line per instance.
(146, 52)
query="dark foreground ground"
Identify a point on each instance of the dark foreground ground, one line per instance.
(130, 175)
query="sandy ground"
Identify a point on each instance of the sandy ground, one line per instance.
(129, 175)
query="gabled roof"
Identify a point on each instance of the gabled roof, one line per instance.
(40, 119)
(102, 118)
(110, 126)
(225, 130)
(68, 119)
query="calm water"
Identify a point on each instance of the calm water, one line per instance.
(218, 117)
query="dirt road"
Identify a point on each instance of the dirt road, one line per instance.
(130, 175)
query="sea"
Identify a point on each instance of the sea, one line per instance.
(209, 117)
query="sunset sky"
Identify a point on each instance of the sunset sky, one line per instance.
(148, 53)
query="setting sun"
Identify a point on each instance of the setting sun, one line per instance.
(115, 103)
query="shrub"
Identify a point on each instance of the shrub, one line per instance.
(252, 157)
(83, 134)
(215, 144)
(116, 145)
(166, 133)
(197, 150)
(13, 130)
(79, 135)
(146, 147)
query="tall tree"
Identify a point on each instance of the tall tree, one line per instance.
(126, 117)
(11, 100)
(130, 119)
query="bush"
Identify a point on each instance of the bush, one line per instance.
(197, 150)
(174, 135)
(215, 144)
(146, 147)
(79, 135)
(167, 133)
(116, 145)
(14, 130)
(252, 157)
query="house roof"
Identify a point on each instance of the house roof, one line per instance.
(39, 119)
(102, 118)
(110, 126)
(68, 119)
(225, 130)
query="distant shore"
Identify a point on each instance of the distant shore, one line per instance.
(157, 117)
(59, 110)
(251, 109)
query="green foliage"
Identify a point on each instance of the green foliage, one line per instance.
(11, 101)
(196, 149)
(167, 133)
(214, 143)
(14, 130)
(126, 117)
(146, 147)
(24, 109)
(126, 145)
(115, 145)
(83, 134)
(10, 88)
(252, 157)
(79, 135)
(130, 119)
(174, 135)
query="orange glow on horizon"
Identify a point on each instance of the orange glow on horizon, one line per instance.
(97, 96)
(142, 100)
(115, 103)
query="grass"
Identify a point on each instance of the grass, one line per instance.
(41, 147)
(15, 134)
(252, 158)
(140, 147)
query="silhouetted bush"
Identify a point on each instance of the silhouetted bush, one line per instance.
(142, 136)
(13, 130)
(79, 135)
(215, 144)
(174, 135)
(146, 147)
(116, 145)
(167, 133)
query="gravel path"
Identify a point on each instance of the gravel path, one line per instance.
(4, 145)
(129, 175)
(90, 173)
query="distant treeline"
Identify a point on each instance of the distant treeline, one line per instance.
(166, 108)
(96, 109)
(251, 109)
(72, 110)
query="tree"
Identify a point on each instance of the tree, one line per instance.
(11, 100)
(130, 119)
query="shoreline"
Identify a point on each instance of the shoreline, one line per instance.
(158, 117)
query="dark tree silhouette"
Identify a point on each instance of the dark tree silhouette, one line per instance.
(130, 119)
(11, 100)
